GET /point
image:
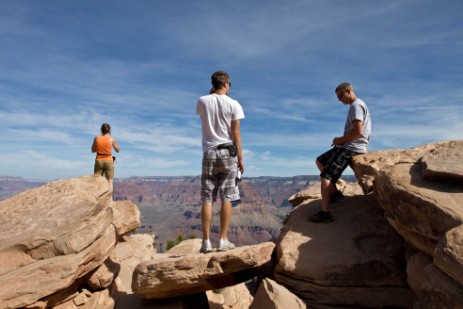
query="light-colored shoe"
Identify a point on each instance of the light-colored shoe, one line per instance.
(206, 246)
(225, 245)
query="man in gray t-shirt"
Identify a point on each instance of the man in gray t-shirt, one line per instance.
(355, 140)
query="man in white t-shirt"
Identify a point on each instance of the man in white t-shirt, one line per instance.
(355, 139)
(222, 157)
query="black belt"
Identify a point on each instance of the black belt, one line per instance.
(224, 146)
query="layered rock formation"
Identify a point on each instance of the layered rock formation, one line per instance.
(405, 234)
(423, 201)
(54, 236)
(174, 275)
(66, 245)
(358, 260)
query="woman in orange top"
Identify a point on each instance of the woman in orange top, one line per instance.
(104, 163)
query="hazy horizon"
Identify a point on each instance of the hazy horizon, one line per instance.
(345, 176)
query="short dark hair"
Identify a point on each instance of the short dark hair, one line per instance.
(343, 87)
(219, 79)
(105, 128)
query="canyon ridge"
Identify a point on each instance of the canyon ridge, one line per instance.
(170, 205)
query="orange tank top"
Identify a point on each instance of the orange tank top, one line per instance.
(103, 148)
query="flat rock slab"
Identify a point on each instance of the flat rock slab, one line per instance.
(445, 163)
(177, 274)
(421, 211)
(367, 166)
(51, 235)
(357, 260)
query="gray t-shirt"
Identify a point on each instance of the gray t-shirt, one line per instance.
(358, 110)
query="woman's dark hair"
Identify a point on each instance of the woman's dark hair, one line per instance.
(105, 128)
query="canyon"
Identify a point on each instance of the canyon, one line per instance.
(68, 244)
(170, 205)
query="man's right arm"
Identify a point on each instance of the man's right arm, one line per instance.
(236, 136)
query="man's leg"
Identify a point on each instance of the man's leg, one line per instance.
(320, 168)
(325, 189)
(225, 217)
(206, 219)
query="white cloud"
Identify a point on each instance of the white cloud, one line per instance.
(67, 68)
(35, 136)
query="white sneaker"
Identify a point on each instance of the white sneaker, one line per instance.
(225, 245)
(206, 246)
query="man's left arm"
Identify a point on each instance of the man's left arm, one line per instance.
(351, 135)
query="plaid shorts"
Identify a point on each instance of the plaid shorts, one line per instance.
(335, 161)
(218, 176)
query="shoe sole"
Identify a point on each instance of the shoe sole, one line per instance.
(222, 250)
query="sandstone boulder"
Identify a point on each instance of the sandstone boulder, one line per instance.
(54, 239)
(88, 300)
(103, 276)
(52, 235)
(231, 297)
(127, 255)
(445, 163)
(271, 295)
(126, 217)
(357, 260)
(367, 166)
(313, 192)
(421, 211)
(448, 256)
(175, 275)
(433, 288)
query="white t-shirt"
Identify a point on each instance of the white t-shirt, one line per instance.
(217, 113)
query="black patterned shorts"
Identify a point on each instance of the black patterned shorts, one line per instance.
(335, 161)
(218, 178)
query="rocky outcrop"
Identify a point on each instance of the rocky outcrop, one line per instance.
(230, 297)
(171, 274)
(271, 295)
(313, 192)
(56, 239)
(427, 212)
(233, 297)
(66, 245)
(444, 164)
(421, 211)
(358, 260)
(367, 166)
(434, 289)
(418, 193)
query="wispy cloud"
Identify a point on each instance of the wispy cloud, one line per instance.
(67, 67)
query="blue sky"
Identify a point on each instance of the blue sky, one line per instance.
(68, 66)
